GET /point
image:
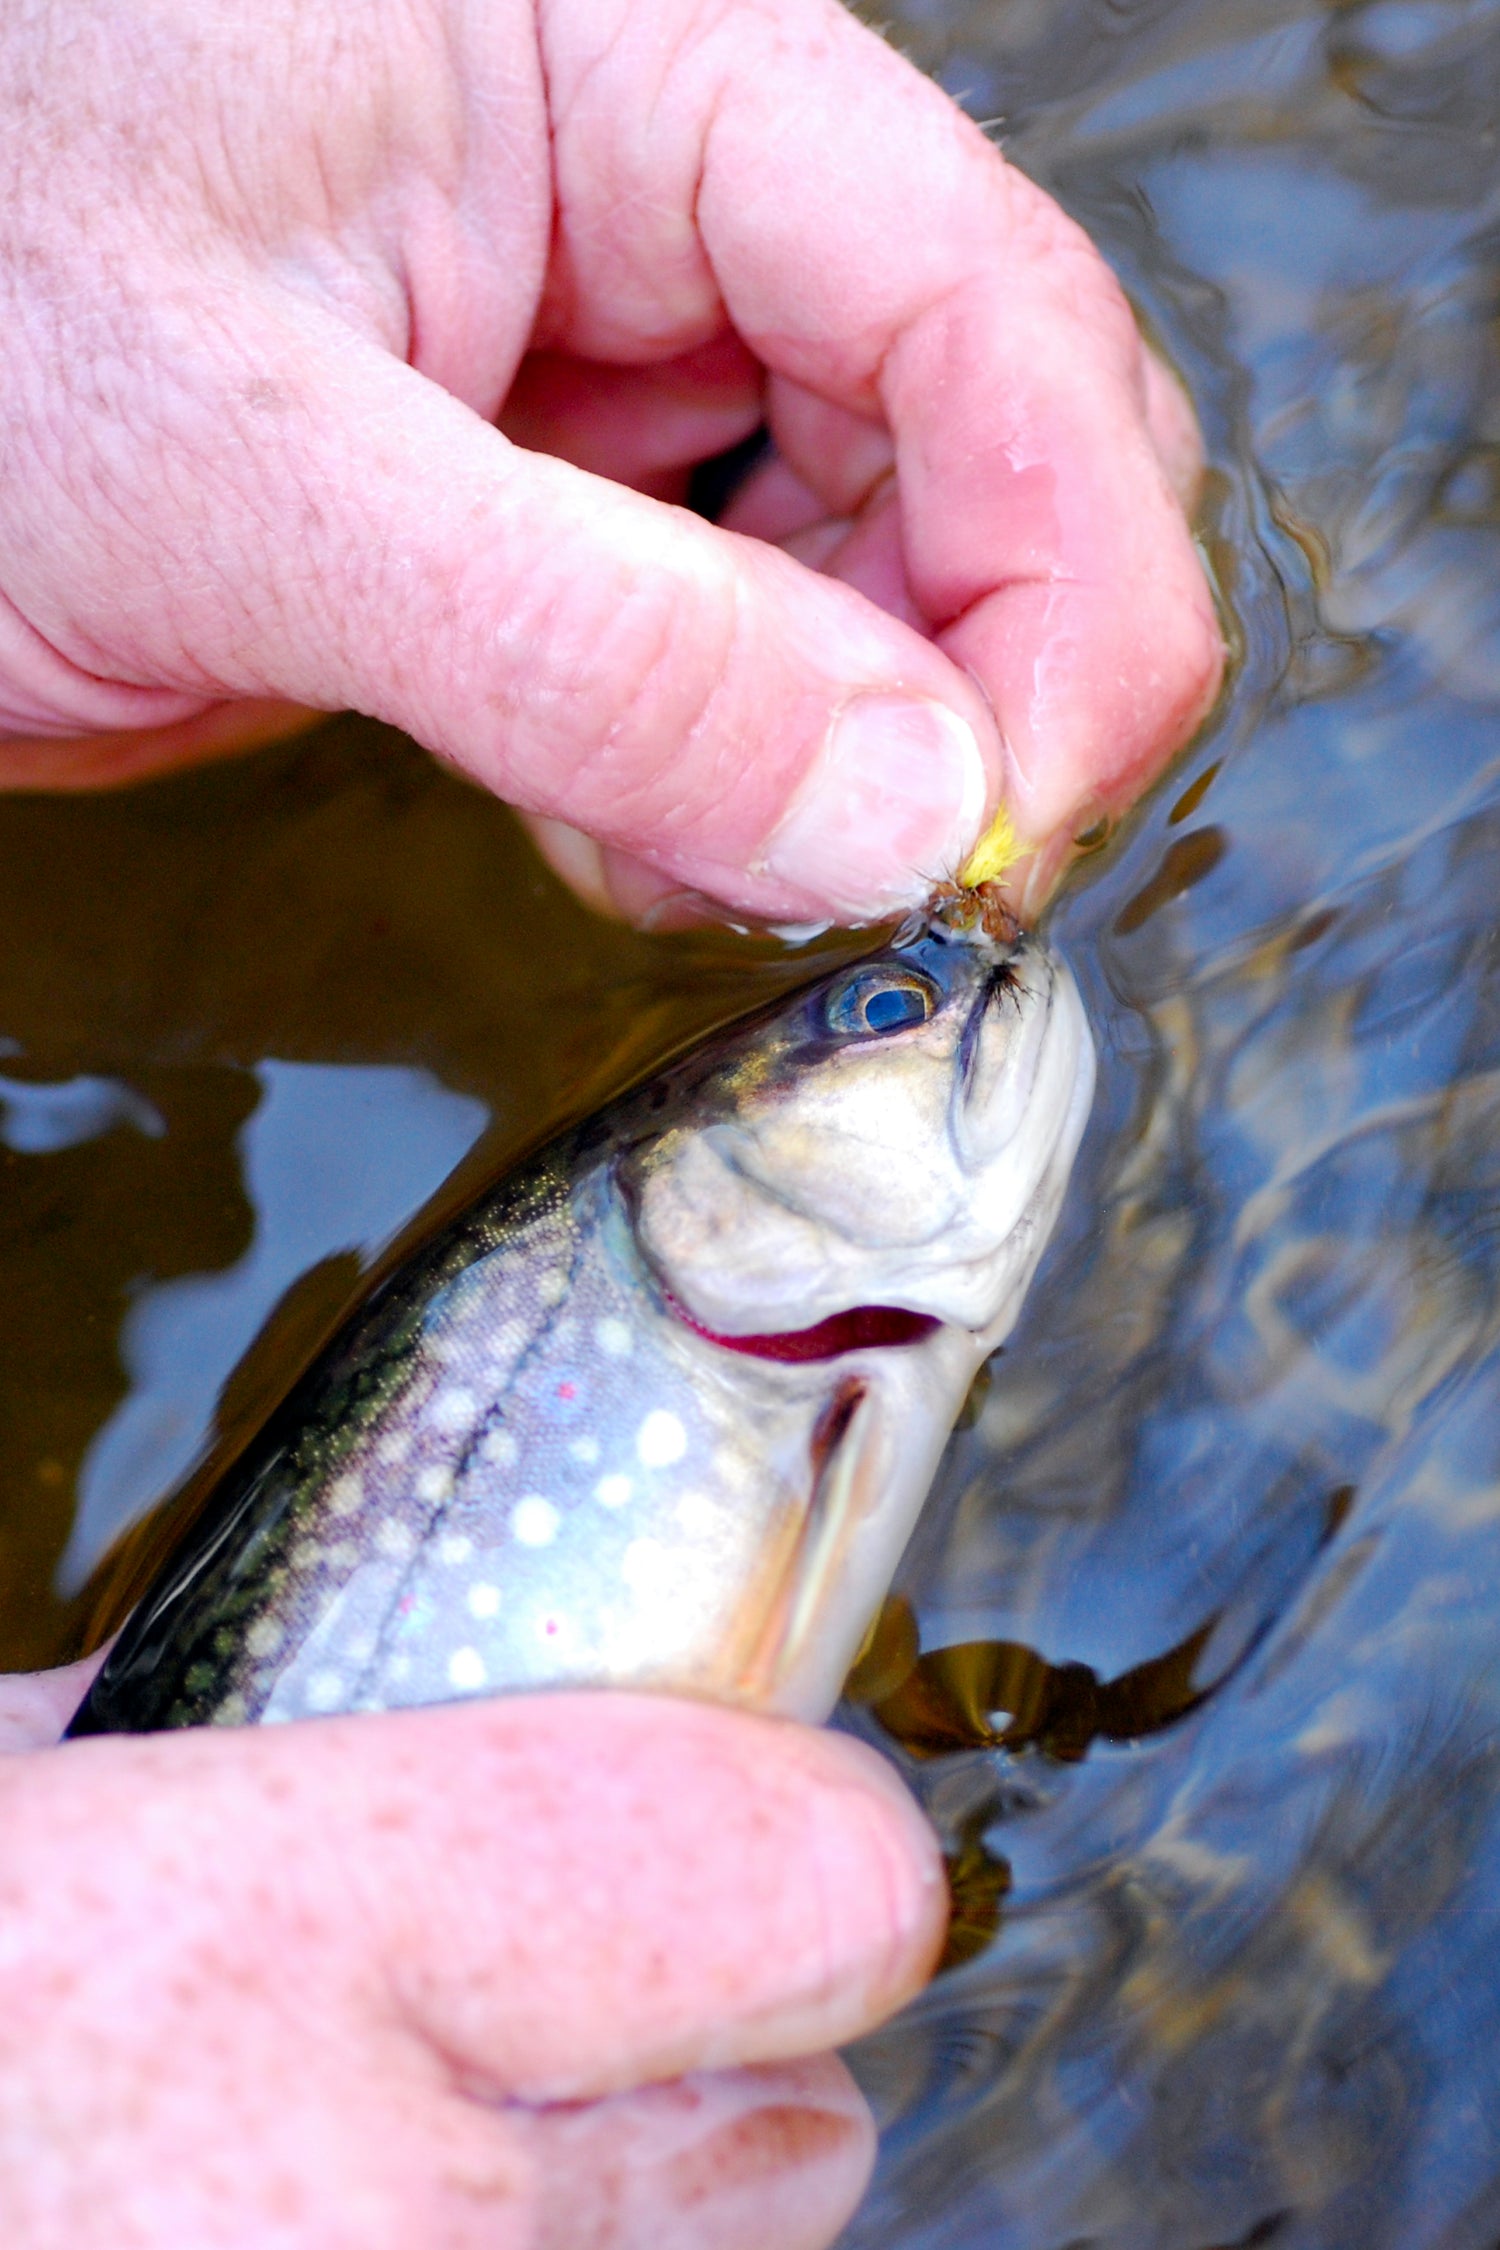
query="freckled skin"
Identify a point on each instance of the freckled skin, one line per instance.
(523, 1463)
(393, 1982)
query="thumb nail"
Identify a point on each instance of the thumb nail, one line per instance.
(893, 804)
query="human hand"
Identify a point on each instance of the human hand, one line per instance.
(269, 275)
(541, 1973)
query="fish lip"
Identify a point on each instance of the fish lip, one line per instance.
(1000, 982)
(856, 1328)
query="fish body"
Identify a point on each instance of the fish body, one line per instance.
(661, 1408)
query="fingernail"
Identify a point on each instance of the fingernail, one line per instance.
(893, 805)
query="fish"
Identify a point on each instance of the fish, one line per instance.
(661, 1407)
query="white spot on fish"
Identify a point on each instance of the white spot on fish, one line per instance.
(697, 1514)
(552, 1286)
(394, 1449)
(435, 1483)
(586, 1450)
(395, 1539)
(467, 1670)
(498, 1446)
(306, 1555)
(265, 1636)
(613, 1337)
(484, 1601)
(454, 1547)
(345, 1496)
(645, 1566)
(452, 1409)
(732, 1469)
(534, 1521)
(613, 1492)
(660, 1440)
(232, 1712)
(324, 1692)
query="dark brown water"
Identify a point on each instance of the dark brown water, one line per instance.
(1208, 1604)
(249, 1023)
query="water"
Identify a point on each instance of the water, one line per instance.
(1228, 1795)
(1216, 1743)
(249, 1022)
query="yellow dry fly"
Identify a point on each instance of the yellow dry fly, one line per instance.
(996, 850)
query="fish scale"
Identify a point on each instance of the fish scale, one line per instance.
(658, 1410)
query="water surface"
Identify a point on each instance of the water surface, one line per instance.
(1208, 1704)
(1210, 1709)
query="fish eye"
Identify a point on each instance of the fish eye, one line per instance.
(874, 1002)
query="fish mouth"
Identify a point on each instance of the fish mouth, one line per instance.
(861, 1328)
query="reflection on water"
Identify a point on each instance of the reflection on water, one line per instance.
(35, 1119)
(1242, 1981)
(334, 1157)
(250, 1021)
(1197, 1658)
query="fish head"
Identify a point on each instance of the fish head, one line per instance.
(898, 1136)
(855, 1187)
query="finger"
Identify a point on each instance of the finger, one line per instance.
(36, 1706)
(111, 761)
(687, 697)
(615, 883)
(872, 246)
(774, 503)
(563, 1896)
(840, 455)
(734, 2161)
(863, 550)
(642, 426)
(869, 552)
(1174, 430)
(1040, 534)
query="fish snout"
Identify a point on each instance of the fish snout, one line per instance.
(1019, 1043)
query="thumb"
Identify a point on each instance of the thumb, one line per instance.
(561, 1895)
(317, 521)
(684, 1888)
(36, 1706)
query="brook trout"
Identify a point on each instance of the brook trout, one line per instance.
(661, 1409)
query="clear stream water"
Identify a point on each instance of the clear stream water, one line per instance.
(1208, 1708)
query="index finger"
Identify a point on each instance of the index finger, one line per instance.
(873, 247)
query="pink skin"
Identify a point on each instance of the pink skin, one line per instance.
(558, 1973)
(269, 277)
(355, 355)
